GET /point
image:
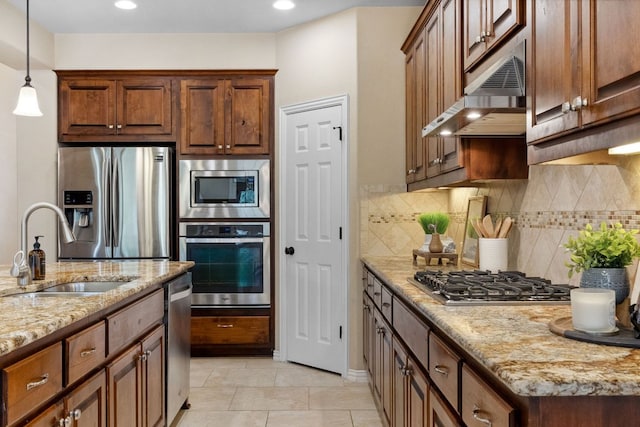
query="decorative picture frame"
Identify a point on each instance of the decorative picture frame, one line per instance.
(477, 208)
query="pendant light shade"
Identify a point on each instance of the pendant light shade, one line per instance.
(28, 99)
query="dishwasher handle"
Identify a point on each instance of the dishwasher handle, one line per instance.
(180, 295)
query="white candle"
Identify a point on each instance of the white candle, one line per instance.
(593, 310)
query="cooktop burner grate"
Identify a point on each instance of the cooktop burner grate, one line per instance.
(477, 287)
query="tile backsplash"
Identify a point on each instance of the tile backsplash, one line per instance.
(554, 203)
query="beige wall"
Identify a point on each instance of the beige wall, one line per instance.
(27, 166)
(165, 51)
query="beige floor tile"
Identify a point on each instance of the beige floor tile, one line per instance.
(268, 362)
(340, 398)
(223, 419)
(307, 377)
(366, 419)
(220, 362)
(309, 419)
(242, 377)
(271, 398)
(198, 375)
(211, 398)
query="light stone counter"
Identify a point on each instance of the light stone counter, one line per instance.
(24, 319)
(514, 342)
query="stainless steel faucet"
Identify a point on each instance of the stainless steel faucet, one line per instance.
(67, 237)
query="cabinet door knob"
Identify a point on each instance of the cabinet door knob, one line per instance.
(110, 126)
(228, 146)
(119, 126)
(76, 414)
(219, 147)
(578, 103)
(566, 107)
(411, 171)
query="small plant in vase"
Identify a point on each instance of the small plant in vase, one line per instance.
(434, 224)
(602, 255)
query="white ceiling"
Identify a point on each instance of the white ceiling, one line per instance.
(185, 16)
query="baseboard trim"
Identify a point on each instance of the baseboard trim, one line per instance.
(276, 356)
(357, 375)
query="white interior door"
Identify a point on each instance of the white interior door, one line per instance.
(312, 219)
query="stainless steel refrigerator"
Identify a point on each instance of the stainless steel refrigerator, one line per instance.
(117, 201)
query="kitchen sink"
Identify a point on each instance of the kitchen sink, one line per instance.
(83, 287)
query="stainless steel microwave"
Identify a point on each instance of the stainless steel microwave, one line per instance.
(212, 188)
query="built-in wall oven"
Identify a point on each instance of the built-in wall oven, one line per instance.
(232, 262)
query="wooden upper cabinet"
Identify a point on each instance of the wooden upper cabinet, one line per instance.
(95, 108)
(202, 116)
(226, 116)
(488, 23)
(576, 79)
(415, 76)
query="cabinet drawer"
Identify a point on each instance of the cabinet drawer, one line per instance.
(385, 306)
(85, 351)
(481, 406)
(369, 284)
(132, 321)
(444, 369)
(377, 293)
(412, 331)
(230, 330)
(32, 381)
(440, 414)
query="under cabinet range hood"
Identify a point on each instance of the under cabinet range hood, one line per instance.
(493, 105)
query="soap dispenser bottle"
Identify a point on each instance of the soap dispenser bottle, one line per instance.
(37, 261)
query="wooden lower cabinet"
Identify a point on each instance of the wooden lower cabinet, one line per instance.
(230, 332)
(136, 384)
(439, 413)
(86, 406)
(411, 388)
(383, 348)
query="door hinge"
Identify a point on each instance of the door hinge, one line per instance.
(340, 331)
(340, 231)
(339, 132)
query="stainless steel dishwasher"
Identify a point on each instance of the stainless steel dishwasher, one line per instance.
(178, 309)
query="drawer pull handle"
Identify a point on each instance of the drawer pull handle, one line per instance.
(89, 352)
(386, 304)
(377, 294)
(42, 381)
(476, 415)
(441, 369)
(224, 326)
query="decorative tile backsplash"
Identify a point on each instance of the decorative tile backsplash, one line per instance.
(554, 203)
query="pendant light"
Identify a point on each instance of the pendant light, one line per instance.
(28, 99)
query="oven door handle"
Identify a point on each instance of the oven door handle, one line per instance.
(230, 240)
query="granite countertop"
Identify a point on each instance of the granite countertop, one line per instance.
(514, 342)
(26, 319)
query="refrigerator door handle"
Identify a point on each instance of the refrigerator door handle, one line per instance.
(106, 176)
(115, 201)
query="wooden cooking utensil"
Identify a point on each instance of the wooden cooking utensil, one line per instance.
(488, 225)
(506, 226)
(480, 227)
(496, 229)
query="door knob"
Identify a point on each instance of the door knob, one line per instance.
(289, 250)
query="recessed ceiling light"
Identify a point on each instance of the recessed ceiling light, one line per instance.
(445, 132)
(284, 4)
(125, 4)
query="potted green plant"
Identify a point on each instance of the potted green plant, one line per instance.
(434, 224)
(602, 255)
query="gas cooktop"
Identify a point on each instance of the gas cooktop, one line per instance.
(477, 287)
